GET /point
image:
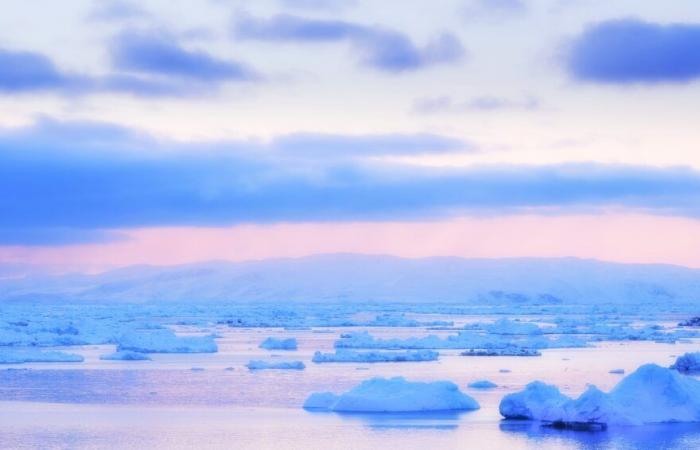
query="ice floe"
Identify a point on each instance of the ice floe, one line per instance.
(165, 341)
(345, 355)
(126, 355)
(286, 365)
(10, 355)
(688, 363)
(394, 395)
(272, 343)
(482, 384)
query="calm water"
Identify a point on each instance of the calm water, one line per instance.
(165, 404)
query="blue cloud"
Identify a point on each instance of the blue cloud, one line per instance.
(22, 71)
(68, 177)
(158, 53)
(445, 104)
(144, 64)
(319, 4)
(494, 9)
(116, 10)
(632, 51)
(377, 47)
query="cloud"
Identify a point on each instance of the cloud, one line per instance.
(116, 10)
(330, 5)
(445, 104)
(95, 177)
(380, 48)
(160, 54)
(149, 64)
(22, 71)
(632, 51)
(494, 9)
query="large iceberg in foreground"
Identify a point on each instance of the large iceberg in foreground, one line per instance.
(344, 355)
(394, 395)
(29, 355)
(272, 343)
(688, 363)
(165, 341)
(651, 394)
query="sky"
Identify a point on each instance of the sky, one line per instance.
(176, 131)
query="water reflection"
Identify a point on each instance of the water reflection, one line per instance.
(662, 436)
(442, 420)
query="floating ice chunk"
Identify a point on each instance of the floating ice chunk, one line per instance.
(263, 365)
(508, 351)
(617, 371)
(688, 363)
(125, 355)
(692, 322)
(482, 384)
(654, 394)
(505, 326)
(29, 355)
(651, 394)
(594, 409)
(344, 355)
(395, 395)
(321, 400)
(536, 401)
(165, 341)
(272, 343)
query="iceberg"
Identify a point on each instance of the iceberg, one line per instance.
(482, 384)
(263, 365)
(651, 394)
(30, 355)
(125, 355)
(165, 341)
(394, 395)
(688, 363)
(343, 355)
(272, 343)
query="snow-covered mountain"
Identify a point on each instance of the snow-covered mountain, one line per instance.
(350, 277)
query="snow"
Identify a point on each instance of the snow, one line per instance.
(344, 355)
(482, 384)
(263, 365)
(688, 363)
(394, 395)
(272, 343)
(651, 394)
(165, 341)
(125, 355)
(29, 355)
